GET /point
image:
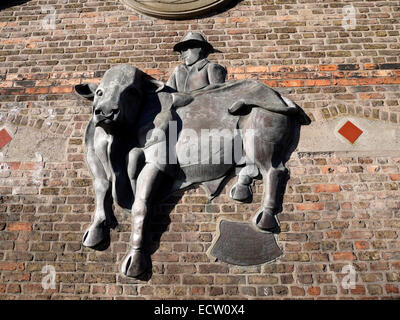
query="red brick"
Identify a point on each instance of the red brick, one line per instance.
(239, 19)
(344, 82)
(270, 83)
(309, 206)
(370, 95)
(370, 81)
(344, 256)
(257, 69)
(370, 66)
(359, 290)
(391, 80)
(314, 291)
(19, 226)
(291, 83)
(328, 67)
(394, 176)
(361, 245)
(197, 291)
(390, 288)
(31, 166)
(235, 70)
(327, 170)
(13, 165)
(326, 188)
(19, 277)
(37, 90)
(10, 266)
(13, 288)
(317, 83)
(61, 89)
(277, 68)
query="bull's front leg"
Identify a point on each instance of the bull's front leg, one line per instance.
(135, 262)
(98, 233)
(135, 162)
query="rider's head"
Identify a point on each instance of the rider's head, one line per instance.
(193, 48)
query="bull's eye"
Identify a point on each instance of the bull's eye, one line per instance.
(99, 92)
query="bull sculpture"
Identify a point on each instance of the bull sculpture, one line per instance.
(132, 162)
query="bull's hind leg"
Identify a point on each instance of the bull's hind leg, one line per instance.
(241, 190)
(273, 179)
(269, 160)
(135, 262)
(98, 234)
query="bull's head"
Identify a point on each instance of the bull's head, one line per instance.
(118, 97)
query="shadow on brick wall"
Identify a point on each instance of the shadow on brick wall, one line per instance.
(226, 7)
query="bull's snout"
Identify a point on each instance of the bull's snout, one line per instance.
(102, 114)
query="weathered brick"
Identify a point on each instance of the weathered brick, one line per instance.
(314, 291)
(337, 209)
(197, 280)
(344, 256)
(309, 206)
(326, 188)
(19, 226)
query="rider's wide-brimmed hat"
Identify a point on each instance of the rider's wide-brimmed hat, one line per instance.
(194, 39)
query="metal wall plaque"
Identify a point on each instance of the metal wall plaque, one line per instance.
(176, 9)
(241, 244)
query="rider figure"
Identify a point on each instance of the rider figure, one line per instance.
(197, 71)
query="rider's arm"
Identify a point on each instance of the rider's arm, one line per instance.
(172, 80)
(216, 73)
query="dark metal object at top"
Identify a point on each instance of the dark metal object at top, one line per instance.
(135, 162)
(180, 9)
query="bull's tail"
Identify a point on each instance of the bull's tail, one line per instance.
(301, 116)
(288, 107)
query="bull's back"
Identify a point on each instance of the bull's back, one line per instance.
(269, 127)
(209, 109)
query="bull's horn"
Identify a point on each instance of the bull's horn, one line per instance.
(86, 90)
(157, 83)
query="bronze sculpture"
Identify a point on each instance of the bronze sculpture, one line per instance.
(127, 170)
(146, 138)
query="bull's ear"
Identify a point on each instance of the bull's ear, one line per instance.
(153, 85)
(86, 90)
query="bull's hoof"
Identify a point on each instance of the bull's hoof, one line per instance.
(266, 221)
(134, 264)
(97, 236)
(240, 192)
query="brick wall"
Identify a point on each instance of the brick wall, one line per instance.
(339, 209)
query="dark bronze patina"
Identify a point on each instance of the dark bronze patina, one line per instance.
(239, 243)
(179, 9)
(135, 160)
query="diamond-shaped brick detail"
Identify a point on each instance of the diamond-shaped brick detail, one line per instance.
(5, 138)
(350, 131)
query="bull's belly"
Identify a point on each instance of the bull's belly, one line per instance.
(197, 173)
(206, 150)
